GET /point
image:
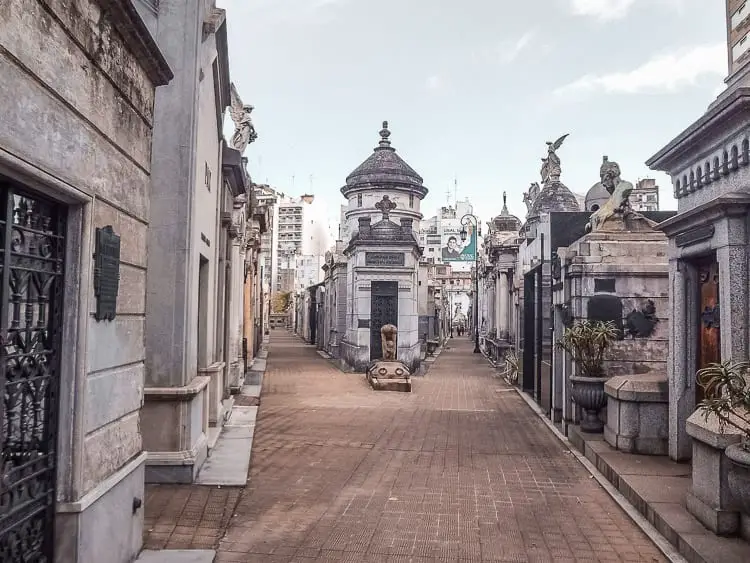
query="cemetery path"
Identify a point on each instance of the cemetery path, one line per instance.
(458, 470)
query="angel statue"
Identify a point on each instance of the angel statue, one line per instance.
(244, 130)
(552, 162)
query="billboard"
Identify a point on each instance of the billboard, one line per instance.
(453, 249)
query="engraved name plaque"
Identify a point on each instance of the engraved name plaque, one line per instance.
(385, 259)
(106, 273)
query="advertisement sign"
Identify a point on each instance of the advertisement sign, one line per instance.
(453, 248)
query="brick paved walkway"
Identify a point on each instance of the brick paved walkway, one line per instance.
(458, 470)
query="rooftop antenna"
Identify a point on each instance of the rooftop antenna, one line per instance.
(455, 189)
(448, 196)
(311, 183)
(292, 182)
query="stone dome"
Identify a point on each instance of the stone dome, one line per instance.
(505, 222)
(596, 197)
(555, 196)
(385, 168)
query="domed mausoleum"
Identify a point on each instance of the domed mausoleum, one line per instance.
(384, 172)
(382, 250)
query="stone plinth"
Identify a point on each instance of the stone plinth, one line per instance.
(389, 375)
(709, 498)
(638, 413)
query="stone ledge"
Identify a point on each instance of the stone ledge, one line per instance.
(183, 393)
(709, 432)
(650, 388)
(658, 488)
(99, 491)
(216, 367)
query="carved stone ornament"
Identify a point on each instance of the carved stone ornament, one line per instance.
(641, 324)
(388, 335)
(385, 206)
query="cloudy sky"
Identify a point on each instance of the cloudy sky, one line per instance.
(472, 89)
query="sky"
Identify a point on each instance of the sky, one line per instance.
(472, 90)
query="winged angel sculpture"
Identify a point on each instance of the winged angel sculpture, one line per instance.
(244, 130)
(551, 165)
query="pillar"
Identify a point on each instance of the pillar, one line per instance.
(503, 327)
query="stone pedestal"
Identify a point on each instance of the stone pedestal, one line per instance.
(389, 375)
(709, 498)
(638, 414)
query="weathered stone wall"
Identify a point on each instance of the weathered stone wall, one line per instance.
(76, 105)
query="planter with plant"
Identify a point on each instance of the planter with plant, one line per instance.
(727, 397)
(586, 342)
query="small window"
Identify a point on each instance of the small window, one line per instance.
(359, 200)
(411, 200)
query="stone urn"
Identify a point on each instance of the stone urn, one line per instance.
(739, 475)
(588, 393)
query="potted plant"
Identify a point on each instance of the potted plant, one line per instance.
(586, 341)
(727, 397)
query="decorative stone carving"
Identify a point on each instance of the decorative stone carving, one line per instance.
(618, 204)
(385, 206)
(641, 324)
(388, 335)
(244, 130)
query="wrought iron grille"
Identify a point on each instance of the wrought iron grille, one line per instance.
(32, 252)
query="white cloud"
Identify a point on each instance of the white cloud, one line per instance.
(433, 82)
(663, 73)
(601, 9)
(509, 51)
(607, 10)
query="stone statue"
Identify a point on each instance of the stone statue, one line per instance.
(530, 196)
(551, 169)
(244, 130)
(388, 335)
(619, 194)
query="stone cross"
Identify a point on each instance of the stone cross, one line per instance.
(385, 206)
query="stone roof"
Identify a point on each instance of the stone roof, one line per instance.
(505, 222)
(385, 168)
(597, 195)
(555, 196)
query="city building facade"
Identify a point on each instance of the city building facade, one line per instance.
(76, 219)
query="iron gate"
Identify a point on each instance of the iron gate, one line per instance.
(383, 311)
(32, 252)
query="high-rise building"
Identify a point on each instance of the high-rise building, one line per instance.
(645, 195)
(302, 239)
(738, 34)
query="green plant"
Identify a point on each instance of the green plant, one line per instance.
(510, 372)
(586, 342)
(727, 395)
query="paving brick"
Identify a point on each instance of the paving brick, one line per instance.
(458, 470)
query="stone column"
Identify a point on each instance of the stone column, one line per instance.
(498, 314)
(503, 327)
(681, 389)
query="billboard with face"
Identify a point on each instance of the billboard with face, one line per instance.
(456, 250)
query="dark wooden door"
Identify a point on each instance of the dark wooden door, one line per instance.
(709, 334)
(383, 311)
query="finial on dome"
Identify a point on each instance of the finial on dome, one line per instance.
(505, 203)
(384, 134)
